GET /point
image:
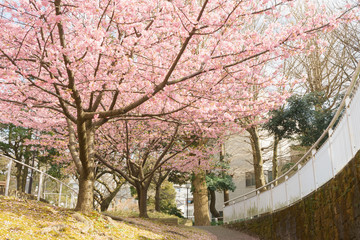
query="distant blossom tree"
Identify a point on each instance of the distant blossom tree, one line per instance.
(145, 151)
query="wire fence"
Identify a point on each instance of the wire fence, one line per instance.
(34, 184)
(320, 164)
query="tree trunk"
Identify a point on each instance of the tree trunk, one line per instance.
(104, 205)
(24, 178)
(25, 172)
(213, 210)
(201, 202)
(21, 176)
(257, 157)
(142, 201)
(226, 191)
(161, 178)
(87, 173)
(275, 167)
(18, 176)
(157, 197)
(226, 197)
(86, 193)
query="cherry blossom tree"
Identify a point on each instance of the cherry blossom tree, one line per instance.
(81, 64)
(138, 150)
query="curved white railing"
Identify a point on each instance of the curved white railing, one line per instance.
(38, 183)
(320, 164)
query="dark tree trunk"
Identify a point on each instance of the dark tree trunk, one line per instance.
(226, 197)
(23, 178)
(18, 176)
(25, 172)
(201, 200)
(257, 157)
(157, 197)
(142, 201)
(104, 205)
(87, 173)
(226, 191)
(86, 193)
(213, 210)
(158, 182)
(275, 167)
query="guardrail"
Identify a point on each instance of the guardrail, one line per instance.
(320, 164)
(38, 183)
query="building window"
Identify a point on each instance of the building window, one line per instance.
(250, 179)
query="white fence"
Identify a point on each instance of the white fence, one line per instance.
(38, 183)
(320, 164)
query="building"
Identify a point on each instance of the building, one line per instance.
(238, 152)
(184, 200)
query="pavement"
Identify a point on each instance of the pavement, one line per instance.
(223, 233)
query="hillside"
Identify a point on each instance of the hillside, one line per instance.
(28, 219)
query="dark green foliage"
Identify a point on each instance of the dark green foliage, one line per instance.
(287, 166)
(13, 139)
(172, 210)
(178, 177)
(311, 116)
(218, 223)
(167, 200)
(282, 123)
(13, 144)
(133, 192)
(306, 116)
(220, 182)
(55, 170)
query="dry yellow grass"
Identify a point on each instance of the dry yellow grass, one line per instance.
(27, 219)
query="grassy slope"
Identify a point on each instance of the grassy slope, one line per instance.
(27, 219)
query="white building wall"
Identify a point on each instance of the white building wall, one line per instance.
(238, 152)
(183, 194)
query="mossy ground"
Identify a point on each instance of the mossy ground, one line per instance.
(27, 219)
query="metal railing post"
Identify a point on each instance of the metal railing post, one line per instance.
(347, 114)
(299, 166)
(60, 194)
(331, 153)
(258, 202)
(8, 177)
(272, 197)
(245, 210)
(313, 152)
(40, 185)
(286, 190)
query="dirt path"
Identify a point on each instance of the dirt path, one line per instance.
(226, 234)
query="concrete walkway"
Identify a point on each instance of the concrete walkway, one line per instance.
(226, 234)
